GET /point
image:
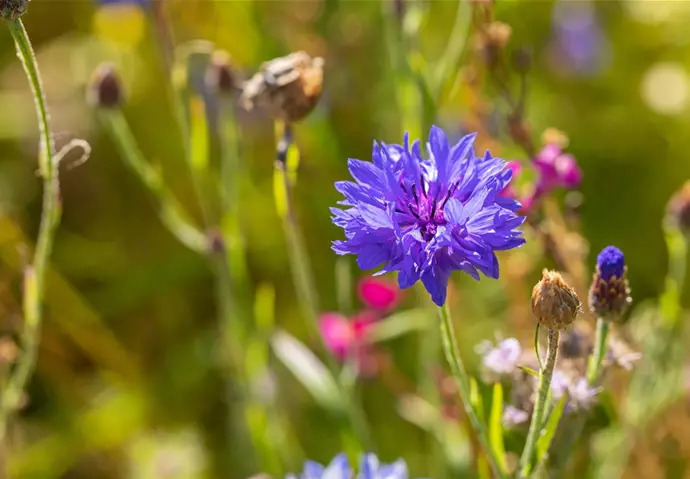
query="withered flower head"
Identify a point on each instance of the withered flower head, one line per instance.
(105, 89)
(678, 208)
(287, 87)
(609, 294)
(221, 76)
(13, 9)
(554, 303)
(492, 40)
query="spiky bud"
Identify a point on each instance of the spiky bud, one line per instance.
(105, 89)
(287, 87)
(13, 9)
(609, 295)
(554, 303)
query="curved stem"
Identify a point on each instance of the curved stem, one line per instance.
(535, 426)
(35, 274)
(462, 382)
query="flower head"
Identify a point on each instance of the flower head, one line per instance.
(554, 303)
(426, 218)
(502, 359)
(378, 294)
(609, 294)
(513, 416)
(369, 468)
(342, 335)
(582, 395)
(556, 169)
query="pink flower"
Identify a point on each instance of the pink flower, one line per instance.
(556, 169)
(378, 294)
(343, 335)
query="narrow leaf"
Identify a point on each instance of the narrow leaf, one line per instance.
(529, 371)
(400, 324)
(476, 400)
(307, 369)
(198, 134)
(496, 427)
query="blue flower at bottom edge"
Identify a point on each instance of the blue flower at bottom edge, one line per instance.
(339, 468)
(425, 218)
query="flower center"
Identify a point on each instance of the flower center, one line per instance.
(426, 211)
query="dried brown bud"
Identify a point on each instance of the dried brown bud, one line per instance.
(13, 9)
(287, 87)
(678, 208)
(554, 303)
(9, 351)
(221, 76)
(105, 89)
(498, 34)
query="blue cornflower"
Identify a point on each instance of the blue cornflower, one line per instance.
(370, 468)
(611, 262)
(609, 294)
(426, 218)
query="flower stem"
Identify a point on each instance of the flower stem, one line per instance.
(535, 427)
(35, 274)
(597, 358)
(304, 282)
(462, 382)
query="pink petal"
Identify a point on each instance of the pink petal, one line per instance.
(362, 322)
(568, 171)
(337, 332)
(378, 294)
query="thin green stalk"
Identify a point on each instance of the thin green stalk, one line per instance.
(305, 287)
(170, 212)
(596, 360)
(535, 427)
(34, 278)
(462, 381)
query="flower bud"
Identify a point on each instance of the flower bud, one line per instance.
(609, 294)
(105, 89)
(13, 9)
(554, 303)
(678, 208)
(287, 87)
(221, 76)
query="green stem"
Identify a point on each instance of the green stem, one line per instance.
(596, 360)
(535, 427)
(306, 288)
(170, 212)
(34, 279)
(462, 382)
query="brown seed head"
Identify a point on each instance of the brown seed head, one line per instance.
(554, 303)
(13, 9)
(498, 34)
(9, 351)
(678, 208)
(105, 89)
(287, 87)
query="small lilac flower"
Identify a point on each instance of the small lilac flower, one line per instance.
(372, 469)
(502, 359)
(339, 468)
(378, 294)
(582, 395)
(556, 170)
(427, 218)
(513, 416)
(559, 384)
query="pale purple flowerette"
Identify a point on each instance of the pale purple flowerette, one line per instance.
(426, 218)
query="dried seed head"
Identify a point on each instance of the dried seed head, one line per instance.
(287, 87)
(105, 89)
(221, 76)
(678, 208)
(498, 34)
(554, 303)
(13, 9)
(9, 351)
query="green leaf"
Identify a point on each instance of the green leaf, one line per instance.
(529, 371)
(199, 134)
(496, 427)
(402, 323)
(308, 370)
(476, 400)
(544, 442)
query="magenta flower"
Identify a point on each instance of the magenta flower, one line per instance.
(342, 335)
(556, 170)
(378, 294)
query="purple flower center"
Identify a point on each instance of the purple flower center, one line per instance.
(423, 211)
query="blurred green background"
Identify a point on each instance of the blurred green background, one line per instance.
(127, 381)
